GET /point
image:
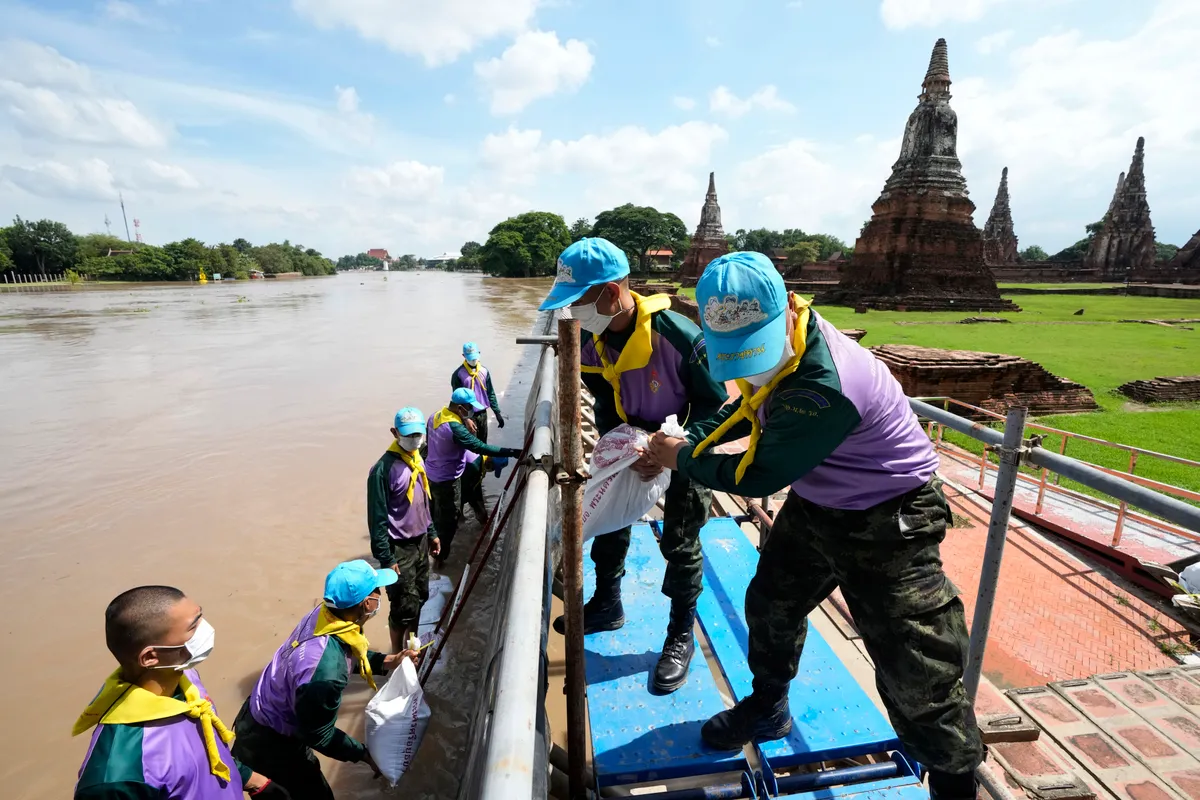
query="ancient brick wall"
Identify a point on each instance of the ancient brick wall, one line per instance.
(1163, 390)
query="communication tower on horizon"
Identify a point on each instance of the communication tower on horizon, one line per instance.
(137, 230)
(107, 224)
(125, 217)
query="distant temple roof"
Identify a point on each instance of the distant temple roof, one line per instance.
(380, 253)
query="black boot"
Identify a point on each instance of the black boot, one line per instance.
(757, 718)
(603, 612)
(678, 649)
(944, 786)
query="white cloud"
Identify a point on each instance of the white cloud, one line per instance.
(438, 32)
(347, 99)
(449, 99)
(989, 44)
(668, 168)
(122, 11)
(87, 180)
(712, 41)
(684, 103)
(901, 14)
(402, 179)
(723, 101)
(534, 66)
(795, 4)
(168, 176)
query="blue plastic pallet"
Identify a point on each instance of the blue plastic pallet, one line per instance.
(832, 717)
(637, 736)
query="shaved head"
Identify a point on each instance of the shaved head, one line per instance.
(139, 618)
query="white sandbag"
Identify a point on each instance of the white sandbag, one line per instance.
(1190, 578)
(397, 717)
(440, 588)
(615, 495)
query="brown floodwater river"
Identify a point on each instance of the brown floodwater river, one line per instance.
(218, 438)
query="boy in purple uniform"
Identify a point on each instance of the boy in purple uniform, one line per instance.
(293, 708)
(865, 512)
(157, 735)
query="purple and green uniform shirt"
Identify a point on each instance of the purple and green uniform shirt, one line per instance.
(484, 393)
(390, 516)
(159, 760)
(299, 693)
(447, 447)
(839, 430)
(675, 381)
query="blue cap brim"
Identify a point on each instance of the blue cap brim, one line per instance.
(770, 338)
(385, 577)
(477, 406)
(411, 428)
(562, 295)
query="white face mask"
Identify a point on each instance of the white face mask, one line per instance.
(590, 319)
(412, 443)
(472, 362)
(763, 378)
(199, 647)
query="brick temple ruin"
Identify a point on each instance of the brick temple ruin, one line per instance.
(921, 250)
(1124, 247)
(999, 238)
(991, 381)
(708, 242)
(1183, 389)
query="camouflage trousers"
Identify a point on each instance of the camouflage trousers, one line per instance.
(886, 560)
(686, 510)
(409, 593)
(446, 499)
(481, 425)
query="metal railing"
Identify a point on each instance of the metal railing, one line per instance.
(1046, 486)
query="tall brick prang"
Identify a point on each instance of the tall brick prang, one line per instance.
(709, 240)
(999, 238)
(921, 249)
(1124, 246)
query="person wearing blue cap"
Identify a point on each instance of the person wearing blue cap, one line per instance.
(447, 460)
(642, 363)
(865, 512)
(294, 706)
(475, 376)
(400, 522)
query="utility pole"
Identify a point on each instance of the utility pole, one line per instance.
(128, 238)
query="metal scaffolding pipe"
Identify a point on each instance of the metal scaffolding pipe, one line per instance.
(989, 576)
(511, 758)
(571, 444)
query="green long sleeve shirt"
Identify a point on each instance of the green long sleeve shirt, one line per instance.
(706, 395)
(469, 441)
(385, 500)
(318, 702)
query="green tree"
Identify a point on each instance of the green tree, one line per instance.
(99, 244)
(580, 228)
(802, 253)
(242, 246)
(405, 262)
(1077, 251)
(1034, 253)
(146, 263)
(6, 262)
(525, 246)
(1164, 252)
(639, 229)
(43, 246)
(827, 245)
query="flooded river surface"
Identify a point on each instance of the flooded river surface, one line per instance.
(218, 438)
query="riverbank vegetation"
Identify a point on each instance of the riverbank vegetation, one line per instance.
(46, 247)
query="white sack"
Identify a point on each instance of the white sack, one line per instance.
(397, 717)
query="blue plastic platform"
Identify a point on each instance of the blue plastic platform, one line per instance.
(637, 736)
(832, 717)
(893, 789)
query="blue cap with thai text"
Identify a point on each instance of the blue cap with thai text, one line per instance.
(410, 421)
(587, 263)
(742, 302)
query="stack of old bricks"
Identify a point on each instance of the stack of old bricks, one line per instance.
(1163, 390)
(991, 381)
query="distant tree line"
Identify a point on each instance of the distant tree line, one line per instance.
(47, 247)
(1076, 252)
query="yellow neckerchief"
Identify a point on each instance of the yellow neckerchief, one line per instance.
(752, 400)
(472, 373)
(123, 703)
(636, 352)
(350, 633)
(416, 467)
(444, 416)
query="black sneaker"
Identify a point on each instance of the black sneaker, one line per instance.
(598, 615)
(752, 720)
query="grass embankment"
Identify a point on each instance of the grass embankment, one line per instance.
(1059, 286)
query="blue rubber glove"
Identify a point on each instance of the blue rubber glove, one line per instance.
(497, 465)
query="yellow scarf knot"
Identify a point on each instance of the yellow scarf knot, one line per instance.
(636, 352)
(122, 703)
(350, 634)
(753, 399)
(416, 469)
(472, 373)
(444, 416)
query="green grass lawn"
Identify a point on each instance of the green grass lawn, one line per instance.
(1093, 349)
(1058, 286)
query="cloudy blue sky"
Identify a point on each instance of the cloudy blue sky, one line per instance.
(416, 125)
